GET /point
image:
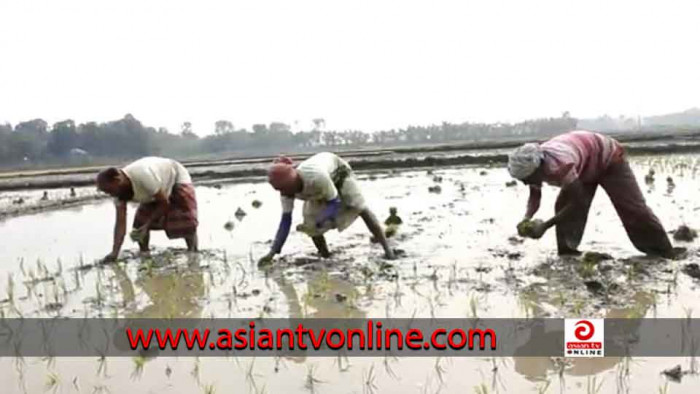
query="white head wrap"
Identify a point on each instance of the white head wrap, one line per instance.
(523, 161)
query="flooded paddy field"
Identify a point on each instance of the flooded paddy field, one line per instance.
(462, 259)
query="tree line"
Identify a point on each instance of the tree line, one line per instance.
(36, 142)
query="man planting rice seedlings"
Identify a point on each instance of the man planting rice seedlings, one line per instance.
(163, 188)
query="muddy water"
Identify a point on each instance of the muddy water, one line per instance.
(459, 262)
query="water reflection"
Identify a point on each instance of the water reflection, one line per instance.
(326, 296)
(538, 368)
(174, 291)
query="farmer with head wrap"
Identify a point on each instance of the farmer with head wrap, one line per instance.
(578, 162)
(163, 188)
(332, 200)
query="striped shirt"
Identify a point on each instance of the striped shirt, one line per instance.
(582, 155)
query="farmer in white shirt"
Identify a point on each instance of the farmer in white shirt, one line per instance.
(332, 200)
(163, 188)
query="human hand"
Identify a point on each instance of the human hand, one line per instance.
(266, 260)
(110, 258)
(538, 229)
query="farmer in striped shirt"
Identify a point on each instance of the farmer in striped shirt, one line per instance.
(578, 162)
(163, 188)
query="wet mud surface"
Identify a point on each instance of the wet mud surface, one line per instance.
(461, 257)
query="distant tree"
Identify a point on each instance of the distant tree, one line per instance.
(278, 127)
(260, 129)
(38, 127)
(186, 130)
(319, 124)
(30, 139)
(63, 138)
(6, 155)
(223, 127)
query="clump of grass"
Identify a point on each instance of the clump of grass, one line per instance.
(588, 267)
(52, 382)
(139, 363)
(526, 228)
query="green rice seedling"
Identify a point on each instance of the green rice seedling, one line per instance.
(139, 363)
(311, 379)
(52, 382)
(98, 295)
(482, 388)
(19, 359)
(10, 288)
(560, 298)
(50, 361)
(102, 365)
(587, 268)
(342, 359)
(439, 370)
(100, 389)
(262, 390)
(664, 389)
(693, 354)
(578, 306)
(387, 367)
(59, 267)
(209, 389)
(592, 386)
(623, 373)
(369, 377)
(543, 387)
(250, 375)
(474, 307)
(196, 370)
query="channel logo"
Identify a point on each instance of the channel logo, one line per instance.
(584, 337)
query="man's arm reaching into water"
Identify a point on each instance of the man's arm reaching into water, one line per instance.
(119, 231)
(280, 238)
(574, 195)
(533, 202)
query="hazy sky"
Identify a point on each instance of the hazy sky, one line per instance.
(358, 64)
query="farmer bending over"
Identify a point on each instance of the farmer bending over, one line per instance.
(332, 200)
(578, 162)
(164, 190)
